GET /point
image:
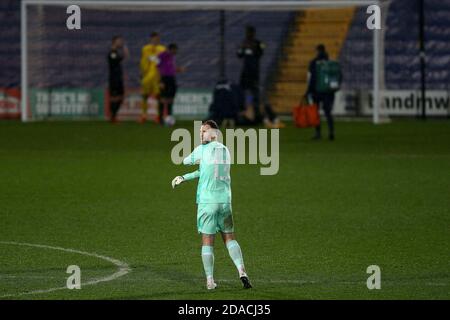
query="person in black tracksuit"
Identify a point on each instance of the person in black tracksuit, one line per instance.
(251, 51)
(117, 53)
(323, 100)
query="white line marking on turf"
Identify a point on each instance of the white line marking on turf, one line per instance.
(123, 267)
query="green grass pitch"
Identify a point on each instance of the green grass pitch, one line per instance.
(378, 195)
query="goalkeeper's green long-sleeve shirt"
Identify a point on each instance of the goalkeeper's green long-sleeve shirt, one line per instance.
(214, 185)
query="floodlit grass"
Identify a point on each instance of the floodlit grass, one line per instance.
(377, 195)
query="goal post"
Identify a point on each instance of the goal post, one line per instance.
(227, 6)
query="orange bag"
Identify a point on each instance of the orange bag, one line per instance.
(306, 115)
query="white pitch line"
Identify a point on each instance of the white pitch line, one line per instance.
(123, 267)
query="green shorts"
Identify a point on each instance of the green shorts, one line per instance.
(214, 217)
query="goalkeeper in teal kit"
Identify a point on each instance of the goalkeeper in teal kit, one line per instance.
(213, 200)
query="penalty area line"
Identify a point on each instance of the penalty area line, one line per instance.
(123, 267)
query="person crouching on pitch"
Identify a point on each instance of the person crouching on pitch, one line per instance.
(214, 213)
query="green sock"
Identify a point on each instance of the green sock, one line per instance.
(208, 260)
(236, 254)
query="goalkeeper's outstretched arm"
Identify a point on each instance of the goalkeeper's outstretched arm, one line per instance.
(193, 158)
(188, 176)
(191, 175)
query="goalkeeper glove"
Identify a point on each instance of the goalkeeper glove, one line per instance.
(176, 181)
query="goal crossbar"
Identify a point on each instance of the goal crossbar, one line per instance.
(210, 5)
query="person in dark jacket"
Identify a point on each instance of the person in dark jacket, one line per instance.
(116, 55)
(251, 51)
(323, 100)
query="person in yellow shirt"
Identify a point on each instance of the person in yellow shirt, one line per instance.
(150, 77)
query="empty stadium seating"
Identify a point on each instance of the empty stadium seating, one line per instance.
(402, 64)
(62, 58)
(311, 27)
(10, 43)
